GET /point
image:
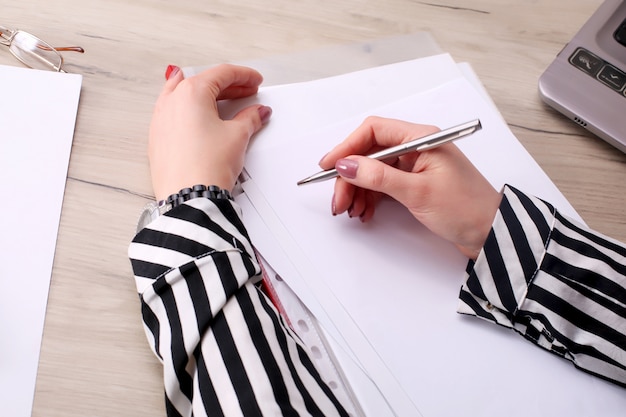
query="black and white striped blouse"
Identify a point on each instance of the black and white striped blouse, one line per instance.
(226, 351)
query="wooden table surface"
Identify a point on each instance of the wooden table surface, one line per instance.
(95, 360)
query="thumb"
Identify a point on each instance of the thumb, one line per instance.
(253, 118)
(374, 175)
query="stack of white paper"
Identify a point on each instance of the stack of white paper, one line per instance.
(386, 291)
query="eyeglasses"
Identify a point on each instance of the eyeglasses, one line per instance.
(33, 52)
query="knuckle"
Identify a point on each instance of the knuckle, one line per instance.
(377, 177)
(372, 120)
(241, 128)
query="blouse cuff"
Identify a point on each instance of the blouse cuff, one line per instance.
(190, 231)
(497, 283)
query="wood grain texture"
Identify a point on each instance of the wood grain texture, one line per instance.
(95, 360)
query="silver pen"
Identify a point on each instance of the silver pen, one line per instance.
(420, 144)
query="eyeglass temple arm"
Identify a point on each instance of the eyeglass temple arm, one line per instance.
(63, 48)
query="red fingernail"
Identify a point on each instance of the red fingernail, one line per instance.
(171, 71)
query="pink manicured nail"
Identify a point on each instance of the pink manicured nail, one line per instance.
(265, 112)
(323, 158)
(171, 71)
(333, 206)
(347, 168)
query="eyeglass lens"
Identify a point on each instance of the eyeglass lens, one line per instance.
(34, 52)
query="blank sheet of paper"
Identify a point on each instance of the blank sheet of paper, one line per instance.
(36, 131)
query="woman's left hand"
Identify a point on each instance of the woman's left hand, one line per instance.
(189, 143)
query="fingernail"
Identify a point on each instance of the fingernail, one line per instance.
(265, 112)
(171, 71)
(333, 206)
(323, 157)
(347, 168)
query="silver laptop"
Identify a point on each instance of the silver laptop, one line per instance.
(587, 80)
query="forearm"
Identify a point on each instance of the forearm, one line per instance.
(223, 347)
(557, 283)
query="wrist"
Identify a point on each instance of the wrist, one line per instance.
(480, 230)
(173, 185)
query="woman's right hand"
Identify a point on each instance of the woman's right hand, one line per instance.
(441, 188)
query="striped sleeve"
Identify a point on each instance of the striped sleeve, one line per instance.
(557, 283)
(225, 350)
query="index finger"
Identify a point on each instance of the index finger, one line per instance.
(224, 81)
(229, 81)
(374, 134)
